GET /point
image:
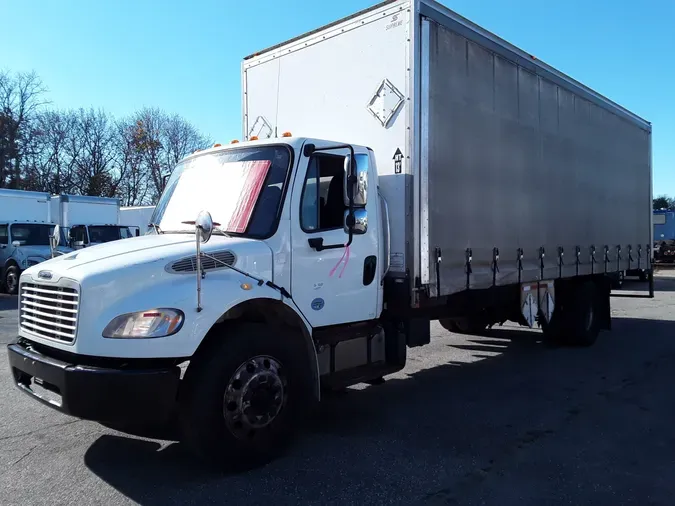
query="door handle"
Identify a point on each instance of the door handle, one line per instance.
(317, 244)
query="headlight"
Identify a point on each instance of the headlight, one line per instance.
(145, 324)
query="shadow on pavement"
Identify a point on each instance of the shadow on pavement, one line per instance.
(8, 302)
(461, 418)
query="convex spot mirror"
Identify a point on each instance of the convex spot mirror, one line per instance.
(55, 237)
(357, 222)
(204, 226)
(359, 189)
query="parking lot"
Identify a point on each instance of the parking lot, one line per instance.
(501, 419)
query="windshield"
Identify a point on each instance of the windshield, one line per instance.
(106, 233)
(241, 188)
(31, 234)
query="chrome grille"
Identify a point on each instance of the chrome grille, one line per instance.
(189, 264)
(49, 311)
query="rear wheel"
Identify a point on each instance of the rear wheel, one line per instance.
(575, 320)
(584, 313)
(243, 399)
(12, 280)
(470, 326)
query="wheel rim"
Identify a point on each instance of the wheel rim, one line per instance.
(254, 397)
(11, 281)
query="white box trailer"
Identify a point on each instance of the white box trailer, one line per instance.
(497, 167)
(138, 217)
(28, 206)
(85, 210)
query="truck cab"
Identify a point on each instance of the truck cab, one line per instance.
(81, 236)
(292, 272)
(23, 245)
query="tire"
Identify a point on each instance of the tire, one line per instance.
(448, 324)
(236, 426)
(466, 326)
(617, 280)
(11, 280)
(555, 332)
(582, 317)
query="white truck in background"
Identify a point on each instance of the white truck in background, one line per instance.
(400, 166)
(25, 227)
(137, 217)
(89, 220)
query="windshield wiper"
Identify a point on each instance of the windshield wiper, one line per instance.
(156, 227)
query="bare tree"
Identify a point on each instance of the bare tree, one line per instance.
(94, 167)
(162, 141)
(20, 97)
(50, 162)
(134, 188)
(87, 151)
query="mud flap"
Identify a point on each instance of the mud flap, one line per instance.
(604, 290)
(537, 300)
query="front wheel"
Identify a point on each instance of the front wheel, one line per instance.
(242, 400)
(12, 280)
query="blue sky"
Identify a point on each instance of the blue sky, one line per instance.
(185, 56)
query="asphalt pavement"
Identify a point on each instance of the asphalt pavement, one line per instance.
(501, 419)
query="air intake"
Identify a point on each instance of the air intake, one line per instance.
(189, 264)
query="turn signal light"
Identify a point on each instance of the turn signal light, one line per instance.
(254, 138)
(287, 134)
(217, 145)
(235, 141)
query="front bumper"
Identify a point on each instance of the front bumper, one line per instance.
(95, 393)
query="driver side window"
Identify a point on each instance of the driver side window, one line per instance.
(78, 234)
(322, 204)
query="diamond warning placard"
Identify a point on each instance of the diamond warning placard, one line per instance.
(385, 103)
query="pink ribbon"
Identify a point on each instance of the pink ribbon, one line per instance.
(345, 257)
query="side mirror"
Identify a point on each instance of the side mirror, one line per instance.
(204, 226)
(55, 238)
(78, 244)
(71, 234)
(359, 190)
(16, 244)
(357, 222)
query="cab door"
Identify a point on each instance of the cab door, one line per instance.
(334, 285)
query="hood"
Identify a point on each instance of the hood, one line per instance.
(130, 253)
(34, 251)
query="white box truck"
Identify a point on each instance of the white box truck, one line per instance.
(137, 218)
(90, 220)
(402, 165)
(25, 226)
